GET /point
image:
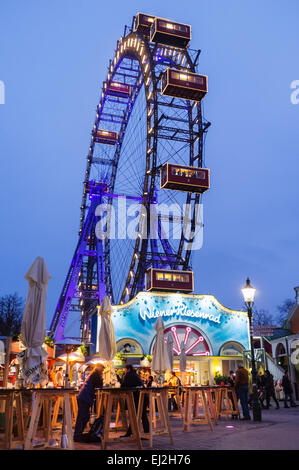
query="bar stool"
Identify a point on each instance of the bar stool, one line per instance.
(58, 409)
(175, 392)
(224, 406)
(211, 402)
(195, 400)
(125, 399)
(101, 400)
(157, 399)
(45, 398)
(12, 400)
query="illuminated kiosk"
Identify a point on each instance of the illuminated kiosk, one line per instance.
(214, 336)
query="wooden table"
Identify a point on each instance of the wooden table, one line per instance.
(157, 399)
(125, 399)
(12, 399)
(195, 398)
(46, 398)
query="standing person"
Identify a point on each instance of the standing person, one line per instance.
(231, 383)
(241, 386)
(287, 390)
(149, 381)
(59, 377)
(174, 381)
(269, 388)
(260, 383)
(131, 380)
(52, 377)
(86, 398)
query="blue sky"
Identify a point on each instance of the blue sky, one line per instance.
(53, 60)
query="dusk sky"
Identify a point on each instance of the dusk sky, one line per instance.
(53, 60)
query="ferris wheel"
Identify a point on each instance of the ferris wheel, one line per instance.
(149, 115)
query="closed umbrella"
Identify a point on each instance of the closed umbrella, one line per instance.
(33, 329)
(107, 343)
(169, 345)
(183, 362)
(160, 361)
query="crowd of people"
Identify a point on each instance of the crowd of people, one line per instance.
(266, 389)
(130, 379)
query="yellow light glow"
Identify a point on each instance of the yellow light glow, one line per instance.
(169, 26)
(183, 76)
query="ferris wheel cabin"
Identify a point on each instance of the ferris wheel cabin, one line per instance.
(168, 280)
(106, 137)
(188, 85)
(143, 23)
(170, 33)
(120, 90)
(184, 178)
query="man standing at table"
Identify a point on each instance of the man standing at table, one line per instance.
(241, 386)
(132, 380)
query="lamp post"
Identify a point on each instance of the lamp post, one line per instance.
(248, 293)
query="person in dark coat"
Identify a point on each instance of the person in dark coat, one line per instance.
(132, 380)
(269, 388)
(287, 390)
(149, 381)
(241, 387)
(86, 399)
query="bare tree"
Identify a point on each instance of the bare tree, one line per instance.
(284, 310)
(11, 312)
(263, 317)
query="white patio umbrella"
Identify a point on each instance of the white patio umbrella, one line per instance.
(160, 362)
(169, 345)
(107, 343)
(33, 329)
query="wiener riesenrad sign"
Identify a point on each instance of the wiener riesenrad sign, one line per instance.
(203, 313)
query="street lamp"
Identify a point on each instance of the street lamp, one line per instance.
(248, 293)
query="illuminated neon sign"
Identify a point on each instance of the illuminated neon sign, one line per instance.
(182, 311)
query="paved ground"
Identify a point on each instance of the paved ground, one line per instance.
(279, 430)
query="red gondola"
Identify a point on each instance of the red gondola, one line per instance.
(184, 178)
(105, 137)
(188, 85)
(143, 23)
(121, 90)
(171, 280)
(170, 33)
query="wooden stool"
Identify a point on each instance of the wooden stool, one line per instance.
(120, 412)
(174, 391)
(12, 400)
(58, 409)
(157, 397)
(195, 399)
(46, 398)
(125, 399)
(224, 405)
(211, 402)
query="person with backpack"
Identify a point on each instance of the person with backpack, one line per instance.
(86, 399)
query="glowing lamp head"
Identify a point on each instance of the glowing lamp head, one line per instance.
(248, 293)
